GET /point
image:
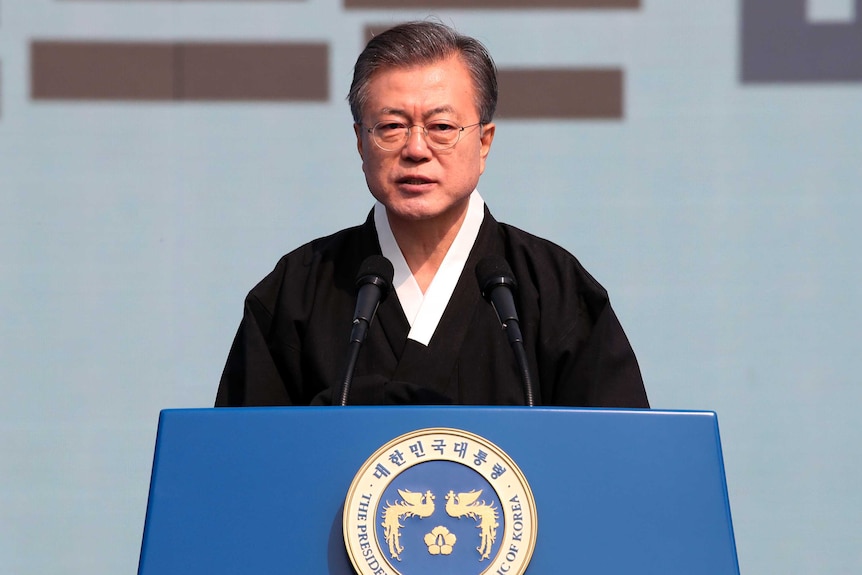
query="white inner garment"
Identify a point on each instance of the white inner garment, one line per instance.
(424, 311)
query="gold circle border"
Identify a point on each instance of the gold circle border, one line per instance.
(517, 503)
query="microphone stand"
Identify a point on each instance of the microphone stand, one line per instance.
(357, 336)
(497, 284)
(373, 283)
(513, 330)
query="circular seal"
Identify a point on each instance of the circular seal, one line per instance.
(439, 500)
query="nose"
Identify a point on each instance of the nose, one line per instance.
(416, 147)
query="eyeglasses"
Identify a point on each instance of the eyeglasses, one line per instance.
(439, 134)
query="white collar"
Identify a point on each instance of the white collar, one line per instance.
(424, 311)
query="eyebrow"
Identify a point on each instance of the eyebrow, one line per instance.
(426, 115)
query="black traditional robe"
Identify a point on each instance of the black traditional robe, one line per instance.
(291, 347)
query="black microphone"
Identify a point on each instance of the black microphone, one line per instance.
(373, 283)
(497, 284)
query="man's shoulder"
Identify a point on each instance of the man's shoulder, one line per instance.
(326, 247)
(545, 261)
(521, 237)
(321, 259)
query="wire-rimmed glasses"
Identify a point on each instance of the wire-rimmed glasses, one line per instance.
(439, 134)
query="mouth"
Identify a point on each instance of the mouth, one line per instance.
(414, 180)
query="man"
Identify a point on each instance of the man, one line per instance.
(423, 100)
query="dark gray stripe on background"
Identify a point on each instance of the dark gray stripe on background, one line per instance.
(153, 71)
(494, 4)
(780, 45)
(101, 71)
(560, 93)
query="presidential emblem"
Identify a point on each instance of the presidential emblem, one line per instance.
(439, 500)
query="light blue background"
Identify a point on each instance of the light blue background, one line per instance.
(723, 219)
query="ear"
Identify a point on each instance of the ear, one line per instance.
(485, 140)
(357, 129)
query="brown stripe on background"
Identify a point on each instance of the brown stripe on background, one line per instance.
(567, 93)
(479, 4)
(101, 71)
(67, 70)
(255, 72)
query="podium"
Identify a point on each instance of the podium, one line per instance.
(262, 490)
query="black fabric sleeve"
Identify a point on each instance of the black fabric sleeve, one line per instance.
(582, 354)
(250, 376)
(604, 371)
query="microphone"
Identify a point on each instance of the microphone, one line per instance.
(373, 283)
(497, 284)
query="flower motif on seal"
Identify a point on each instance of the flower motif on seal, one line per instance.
(440, 541)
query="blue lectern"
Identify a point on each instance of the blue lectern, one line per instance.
(262, 490)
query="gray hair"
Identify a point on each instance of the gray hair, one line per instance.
(423, 43)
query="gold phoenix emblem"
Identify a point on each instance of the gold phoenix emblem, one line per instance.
(414, 505)
(440, 541)
(466, 505)
(505, 518)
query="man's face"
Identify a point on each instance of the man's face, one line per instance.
(416, 182)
